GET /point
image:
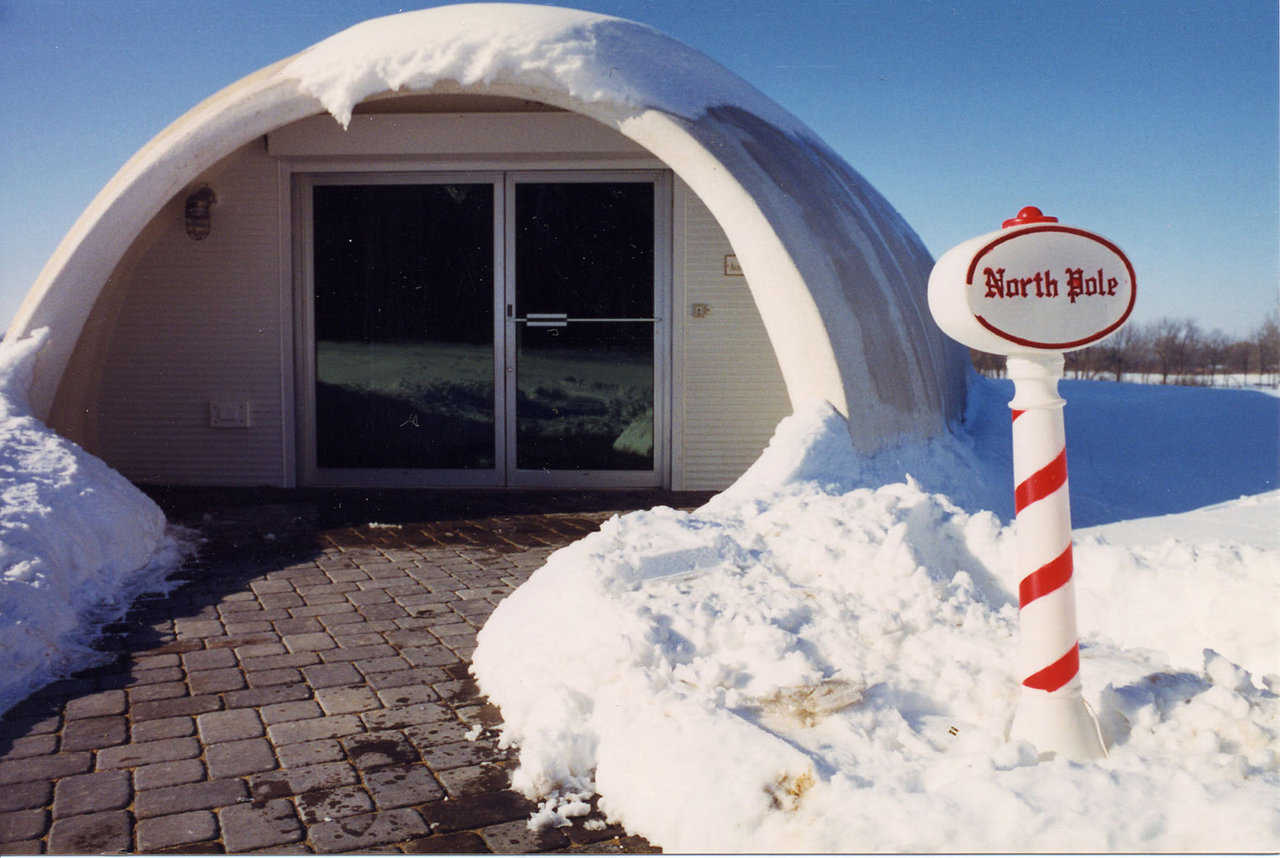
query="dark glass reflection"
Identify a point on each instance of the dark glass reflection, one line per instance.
(404, 326)
(585, 249)
(584, 397)
(584, 392)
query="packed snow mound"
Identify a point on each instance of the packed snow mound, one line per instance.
(815, 661)
(562, 50)
(77, 541)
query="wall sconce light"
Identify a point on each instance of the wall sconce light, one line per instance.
(197, 218)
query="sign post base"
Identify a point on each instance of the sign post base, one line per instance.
(1063, 724)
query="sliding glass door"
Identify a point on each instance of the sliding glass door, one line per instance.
(481, 329)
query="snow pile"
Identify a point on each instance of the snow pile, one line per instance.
(564, 50)
(822, 659)
(77, 541)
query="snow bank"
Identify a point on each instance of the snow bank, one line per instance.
(77, 541)
(586, 56)
(822, 659)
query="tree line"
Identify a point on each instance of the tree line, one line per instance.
(1171, 351)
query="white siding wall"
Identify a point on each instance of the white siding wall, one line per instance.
(201, 321)
(730, 392)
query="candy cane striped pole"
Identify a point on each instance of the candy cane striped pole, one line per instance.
(1052, 713)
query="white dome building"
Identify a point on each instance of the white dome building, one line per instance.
(537, 247)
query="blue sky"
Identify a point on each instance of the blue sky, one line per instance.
(1152, 123)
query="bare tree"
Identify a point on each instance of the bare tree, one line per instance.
(1176, 350)
(1240, 356)
(1122, 352)
(990, 365)
(1213, 354)
(1267, 341)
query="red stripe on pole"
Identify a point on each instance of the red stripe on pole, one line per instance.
(1046, 579)
(1057, 674)
(1042, 483)
(1016, 413)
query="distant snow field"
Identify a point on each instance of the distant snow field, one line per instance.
(822, 657)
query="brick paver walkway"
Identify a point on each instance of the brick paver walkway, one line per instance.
(306, 690)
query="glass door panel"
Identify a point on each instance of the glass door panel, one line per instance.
(583, 327)
(403, 309)
(584, 397)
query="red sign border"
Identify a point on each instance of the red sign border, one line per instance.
(1133, 287)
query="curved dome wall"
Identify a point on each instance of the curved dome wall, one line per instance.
(838, 276)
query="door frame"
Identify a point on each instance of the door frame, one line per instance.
(662, 265)
(302, 179)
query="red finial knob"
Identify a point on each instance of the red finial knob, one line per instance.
(1029, 214)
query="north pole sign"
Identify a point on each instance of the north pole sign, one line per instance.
(1033, 286)
(1031, 291)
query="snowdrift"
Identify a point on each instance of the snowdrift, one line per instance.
(822, 659)
(77, 541)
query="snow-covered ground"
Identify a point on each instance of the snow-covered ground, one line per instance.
(78, 542)
(822, 658)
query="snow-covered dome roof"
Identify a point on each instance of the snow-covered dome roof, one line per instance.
(838, 276)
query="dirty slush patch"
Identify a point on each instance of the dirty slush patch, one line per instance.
(306, 689)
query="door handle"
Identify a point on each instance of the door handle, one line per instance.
(545, 320)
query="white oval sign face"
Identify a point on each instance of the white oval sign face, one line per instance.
(1050, 287)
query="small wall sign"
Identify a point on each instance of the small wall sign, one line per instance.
(731, 266)
(1033, 286)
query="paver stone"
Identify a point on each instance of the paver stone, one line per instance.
(89, 734)
(91, 833)
(314, 728)
(356, 833)
(258, 825)
(163, 728)
(458, 843)
(31, 746)
(143, 753)
(96, 705)
(515, 836)
(21, 847)
(23, 824)
(176, 830)
(159, 775)
(402, 785)
(44, 768)
(25, 795)
(208, 659)
(302, 780)
(213, 681)
(477, 811)
(404, 716)
(198, 796)
(328, 805)
(369, 751)
(91, 793)
(229, 725)
(348, 699)
(302, 754)
(325, 675)
(241, 757)
(294, 710)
